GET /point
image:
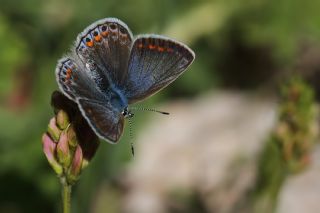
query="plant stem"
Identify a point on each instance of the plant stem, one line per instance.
(66, 196)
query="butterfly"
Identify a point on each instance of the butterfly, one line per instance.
(107, 69)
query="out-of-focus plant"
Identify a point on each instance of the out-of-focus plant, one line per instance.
(297, 129)
(289, 147)
(68, 145)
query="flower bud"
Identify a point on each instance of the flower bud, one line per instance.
(49, 147)
(85, 163)
(53, 130)
(76, 165)
(72, 137)
(63, 151)
(62, 119)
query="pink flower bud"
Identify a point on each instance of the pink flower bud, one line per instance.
(53, 130)
(76, 165)
(63, 151)
(49, 150)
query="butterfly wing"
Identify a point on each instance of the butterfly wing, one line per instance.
(155, 61)
(99, 60)
(104, 119)
(106, 44)
(75, 80)
(97, 64)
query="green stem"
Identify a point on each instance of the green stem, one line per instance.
(66, 196)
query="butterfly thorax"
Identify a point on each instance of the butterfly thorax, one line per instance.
(117, 99)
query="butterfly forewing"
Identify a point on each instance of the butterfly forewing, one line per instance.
(154, 62)
(74, 81)
(106, 43)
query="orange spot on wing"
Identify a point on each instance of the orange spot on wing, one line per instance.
(89, 43)
(152, 47)
(105, 33)
(68, 75)
(160, 49)
(169, 50)
(97, 38)
(140, 46)
(69, 70)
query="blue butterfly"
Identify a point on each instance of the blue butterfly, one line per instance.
(107, 69)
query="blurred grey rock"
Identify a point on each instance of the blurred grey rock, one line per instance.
(204, 153)
(301, 193)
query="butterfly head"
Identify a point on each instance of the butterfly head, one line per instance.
(127, 113)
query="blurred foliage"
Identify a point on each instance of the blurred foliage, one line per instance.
(297, 129)
(289, 147)
(239, 44)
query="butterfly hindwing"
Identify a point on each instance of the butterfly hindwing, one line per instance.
(106, 43)
(155, 61)
(105, 120)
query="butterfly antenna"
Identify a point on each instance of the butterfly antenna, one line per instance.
(150, 110)
(130, 135)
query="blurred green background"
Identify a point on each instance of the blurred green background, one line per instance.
(245, 45)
